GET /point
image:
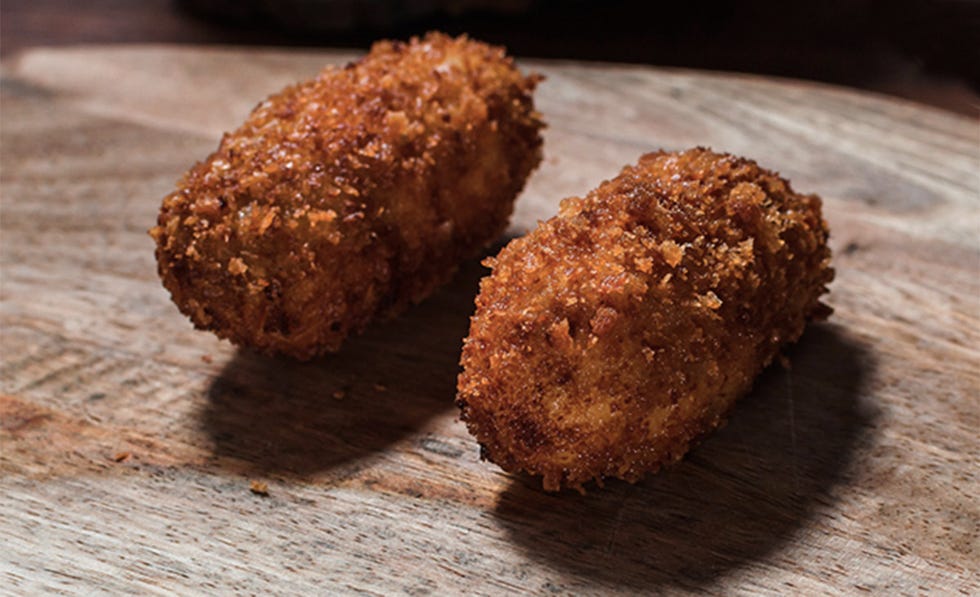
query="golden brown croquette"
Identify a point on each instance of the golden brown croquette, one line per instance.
(619, 332)
(350, 196)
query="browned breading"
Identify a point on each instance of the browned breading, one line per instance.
(350, 196)
(617, 333)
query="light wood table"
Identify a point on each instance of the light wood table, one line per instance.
(129, 441)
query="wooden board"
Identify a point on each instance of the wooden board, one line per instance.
(129, 440)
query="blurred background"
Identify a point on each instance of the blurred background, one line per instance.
(927, 51)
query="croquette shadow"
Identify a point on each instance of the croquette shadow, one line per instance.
(733, 501)
(280, 417)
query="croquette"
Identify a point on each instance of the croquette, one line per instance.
(618, 333)
(350, 196)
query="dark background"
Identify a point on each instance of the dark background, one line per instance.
(924, 50)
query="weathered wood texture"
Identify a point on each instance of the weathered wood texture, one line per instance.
(129, 440)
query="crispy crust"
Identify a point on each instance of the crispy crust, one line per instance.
(617, 333)
(351, 195)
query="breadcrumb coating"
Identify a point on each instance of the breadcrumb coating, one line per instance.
(615, 335)
(350, 196)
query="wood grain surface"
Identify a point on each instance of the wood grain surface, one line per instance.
(129, 442)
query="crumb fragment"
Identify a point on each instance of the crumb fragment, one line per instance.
(259, 488)
(236, 266)
(121, 456)
(339, 395)
(321, 215)
(709, 300)
(207, 358)
(649, 354)
(380, 387)
(672, 252)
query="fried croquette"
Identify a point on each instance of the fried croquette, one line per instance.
(350, 196)
(615, 335)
